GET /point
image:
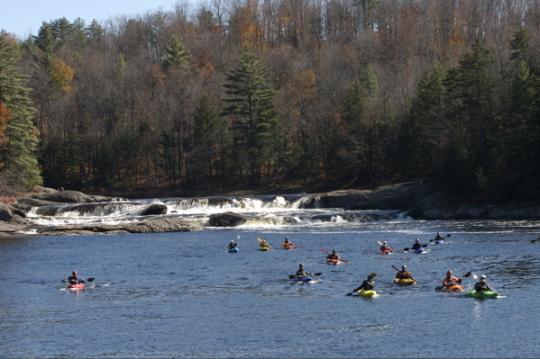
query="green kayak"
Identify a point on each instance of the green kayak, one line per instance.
(482, 295)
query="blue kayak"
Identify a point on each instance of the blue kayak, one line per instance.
(233, 250)
(421, 251)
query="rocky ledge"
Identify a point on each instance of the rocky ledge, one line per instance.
(420, 201)
(50, 202)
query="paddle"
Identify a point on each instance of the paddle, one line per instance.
(292, 276)
(447, 236)
(535, 240)
(325, 251)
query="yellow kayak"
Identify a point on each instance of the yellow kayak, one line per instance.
(264, 249)
(366, 293)
(407, 281)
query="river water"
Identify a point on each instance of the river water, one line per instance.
(182, 295)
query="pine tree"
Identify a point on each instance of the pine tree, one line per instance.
(471, 118)
(424, 130)
(357, 158)
(18, 156)
(250, 107)
(176, 55)
(206, 128)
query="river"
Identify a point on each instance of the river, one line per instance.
(182, 295)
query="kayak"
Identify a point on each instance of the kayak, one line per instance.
(264, 249)
(453, 288)
(439, 242)
(386, 251)
(233, 250)
(334, 262)
(421, 251)
(302, 279)
(482, 295)
(365, 293)
(288, 246)
(407, 281)
(77, 286)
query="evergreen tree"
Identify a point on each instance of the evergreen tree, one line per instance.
(206, 128)
(357, 159)
(424, 130)
(18, 156)
(250, 107)
(176, 55)
(471, 118)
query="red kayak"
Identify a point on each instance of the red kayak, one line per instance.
(334, 261)
(386, 251)
(76, 286)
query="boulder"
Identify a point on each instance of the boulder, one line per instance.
(5, 213)
(227, 219)
(154, 209)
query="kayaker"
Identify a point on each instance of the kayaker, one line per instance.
(287, 243)
(73, 279)
(232, 245)
(438, 237)
(481, 285)
(450, 279)
(333, 256)
(385, 248)
(263, 243)
(417, 245)
(301, 272)
(404, 273)
(368, 284)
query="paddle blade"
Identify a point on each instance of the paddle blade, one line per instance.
(91, 279)
(292, 276)
(317, 274)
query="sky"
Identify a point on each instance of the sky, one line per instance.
(24, 17)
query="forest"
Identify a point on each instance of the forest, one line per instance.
(279, 95)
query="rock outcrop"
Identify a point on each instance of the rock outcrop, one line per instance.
(227, 219)
(154, 209)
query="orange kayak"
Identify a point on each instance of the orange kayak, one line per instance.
(288, 246)
(334, 262)
(453, 288)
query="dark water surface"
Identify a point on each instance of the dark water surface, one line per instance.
(181, 295)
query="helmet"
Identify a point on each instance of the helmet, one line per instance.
(372, 275)
(301, 265)
(333, 251)
(74, 274)
(417, 240)
(404, 267)
(449, 273)
(483, 277)
(384, 242)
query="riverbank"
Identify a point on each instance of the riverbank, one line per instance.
(50, 212)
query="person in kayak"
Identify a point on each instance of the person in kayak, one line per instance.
(368, 284)
(481, 285)
(385, 248)
(438, 237)
(301, 272)
(287, 243)
(73, 279)
(263, 243)
(333, 256)
(417, 245)
(404, 273)
(450, 279)
(232, 245)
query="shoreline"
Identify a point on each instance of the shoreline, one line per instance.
(415, 199)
